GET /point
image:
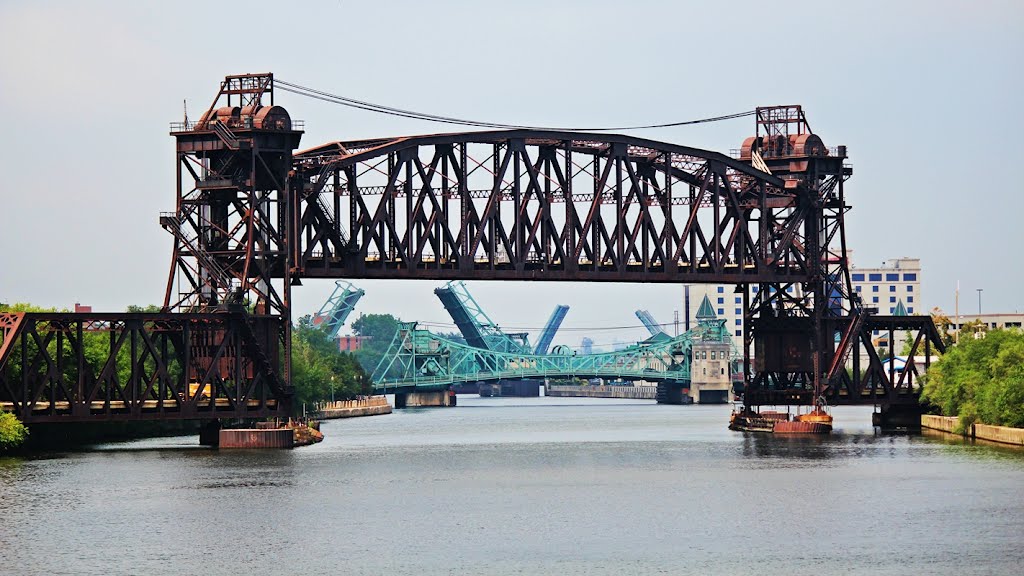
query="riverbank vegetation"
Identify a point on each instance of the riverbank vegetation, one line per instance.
(319, 371)
(12, 432)
(378, 331)
(980, 380)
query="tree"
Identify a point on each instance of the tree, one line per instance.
(319, 370)
(134, 308)
(972, 330)
(981, 379)
(942, 324)
(12, 432)
(379, 330)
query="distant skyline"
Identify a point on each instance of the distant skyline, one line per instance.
(924, 94)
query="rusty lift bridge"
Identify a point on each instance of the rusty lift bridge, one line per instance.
(254, 218)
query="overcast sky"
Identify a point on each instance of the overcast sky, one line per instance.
(926, 95)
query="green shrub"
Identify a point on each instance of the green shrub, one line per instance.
(12, 432)
(981, 380)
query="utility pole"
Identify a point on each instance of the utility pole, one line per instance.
(957, 312)
(979, 302)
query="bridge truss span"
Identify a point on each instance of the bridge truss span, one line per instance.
(420, 360)
(540, 205)
(80, 367)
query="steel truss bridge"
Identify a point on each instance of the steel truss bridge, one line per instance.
(252, 218)
(420, 360)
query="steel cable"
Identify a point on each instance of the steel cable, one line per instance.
(381, 109)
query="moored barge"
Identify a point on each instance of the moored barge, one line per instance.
(748, 420)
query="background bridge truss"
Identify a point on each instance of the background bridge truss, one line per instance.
(64, 367)
(420, 360)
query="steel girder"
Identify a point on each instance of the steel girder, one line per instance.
(339, 305)
(64, 367)
(858, 374)
(420, 360)
(540, 205)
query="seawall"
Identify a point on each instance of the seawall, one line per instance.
(1001, 434)
(372, 406)
(630, 392)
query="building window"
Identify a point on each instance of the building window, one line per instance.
(858, 288)
(755, 289)
(858, 277)
(910, 310)
(721, 300)
(738, 300)
(721, 311)
(910, 277)
(892, 288)
(874, 299)
(875, 277)
(712, 354)
(892, 298)
(739, 322)
(739, 333)
(874, 288)
(721, 289)
(739, 311)
(789, 289)
(875, 333)
(892, 277)
(910, 288)
(723, 371)
(910, 298)
(891, 309)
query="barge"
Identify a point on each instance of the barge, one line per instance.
(817, 421)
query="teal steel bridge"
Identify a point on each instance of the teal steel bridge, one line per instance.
(418, 360)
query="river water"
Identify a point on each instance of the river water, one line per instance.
(523, 486)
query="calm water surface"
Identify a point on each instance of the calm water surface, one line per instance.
(523, 486)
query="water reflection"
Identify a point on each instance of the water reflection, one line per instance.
(520, 486)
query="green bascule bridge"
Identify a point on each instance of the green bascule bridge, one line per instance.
(420, 364)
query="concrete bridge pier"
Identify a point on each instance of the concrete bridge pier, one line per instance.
(673, 393)
(209, 434)
(898, 418)
(425, 399)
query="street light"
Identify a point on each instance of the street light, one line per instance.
(332, 388)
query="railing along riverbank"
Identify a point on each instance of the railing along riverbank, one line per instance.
(1001, 434)
(369, 406)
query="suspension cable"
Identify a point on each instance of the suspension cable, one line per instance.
(381, 109)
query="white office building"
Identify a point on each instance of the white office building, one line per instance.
(883, 287)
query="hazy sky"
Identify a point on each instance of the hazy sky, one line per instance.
(926, 95)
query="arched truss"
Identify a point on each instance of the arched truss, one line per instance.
(539, 205)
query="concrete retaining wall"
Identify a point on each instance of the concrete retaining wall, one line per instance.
(372, 406)
(630, 392)
(1002, 434)
(943, 423)
(256, 438)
